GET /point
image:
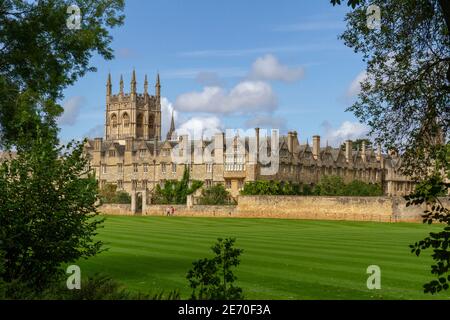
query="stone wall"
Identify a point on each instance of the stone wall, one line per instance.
(382, 209)
(116, 209)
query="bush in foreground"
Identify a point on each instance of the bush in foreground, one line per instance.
(47, 205)
(212, 279)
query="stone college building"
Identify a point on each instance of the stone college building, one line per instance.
(134, 156)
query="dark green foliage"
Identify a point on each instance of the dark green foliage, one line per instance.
(40, 57)
(98, 287)
(328, 186)
(263, 187)
(109, 194)
(215, 195)
(176, 192)
(47, 205)
(335, 186)
(212, 279)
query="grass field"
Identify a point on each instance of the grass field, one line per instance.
(283, 259)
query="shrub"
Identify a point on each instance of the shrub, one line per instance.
(330, 186)
(97, 287)
(215, 195)
(212, 279)
(264, 187)
(47, 202)
(109, 194)
(175, 192)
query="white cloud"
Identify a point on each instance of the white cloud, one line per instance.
(71, 111)
(200, 126)
(166, 115)
(347, 130)
(269, 68)
(246, 96)
(355, 86)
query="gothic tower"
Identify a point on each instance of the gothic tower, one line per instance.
(133, 115)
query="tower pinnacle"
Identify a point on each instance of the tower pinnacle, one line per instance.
(172, 128)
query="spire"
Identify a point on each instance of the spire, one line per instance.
(158, 86)
(121, 84)
(145, 85)
(172, 128)
(108, 85)
(133, 82)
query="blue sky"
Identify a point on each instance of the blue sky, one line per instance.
(230, 64)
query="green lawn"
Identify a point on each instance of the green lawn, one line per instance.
(283, 259)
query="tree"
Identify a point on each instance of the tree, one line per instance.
(40, 56)
(215, 195)
(176, 192)
(405, 97)
(47, 211)
(357, 144)
(212, 279)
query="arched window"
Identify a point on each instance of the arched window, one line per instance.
(151, 121)
(140, 121)
(114, 120)
(126, 120)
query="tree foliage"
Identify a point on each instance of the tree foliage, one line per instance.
(405, 95)
(47, 210)
(327, 186)
(213, 278)
(215, 195)
(109, 194)
(176, 192)
(40, 56)
(266, 187)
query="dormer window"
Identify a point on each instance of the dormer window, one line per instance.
(142, 153)
(112, 153)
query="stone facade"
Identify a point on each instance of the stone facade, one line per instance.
(133, 156)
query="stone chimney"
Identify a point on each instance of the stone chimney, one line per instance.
(316, 146)
(363, 151)
(348, 150)
(290, 141)
(379, 152)
(218, 147)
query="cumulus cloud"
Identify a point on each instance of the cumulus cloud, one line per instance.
(71, 111)
(166, 115)
(269, 68)
(266, 121)
(246, 96)
(200, 126)
(355, 86)
(347, 130)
